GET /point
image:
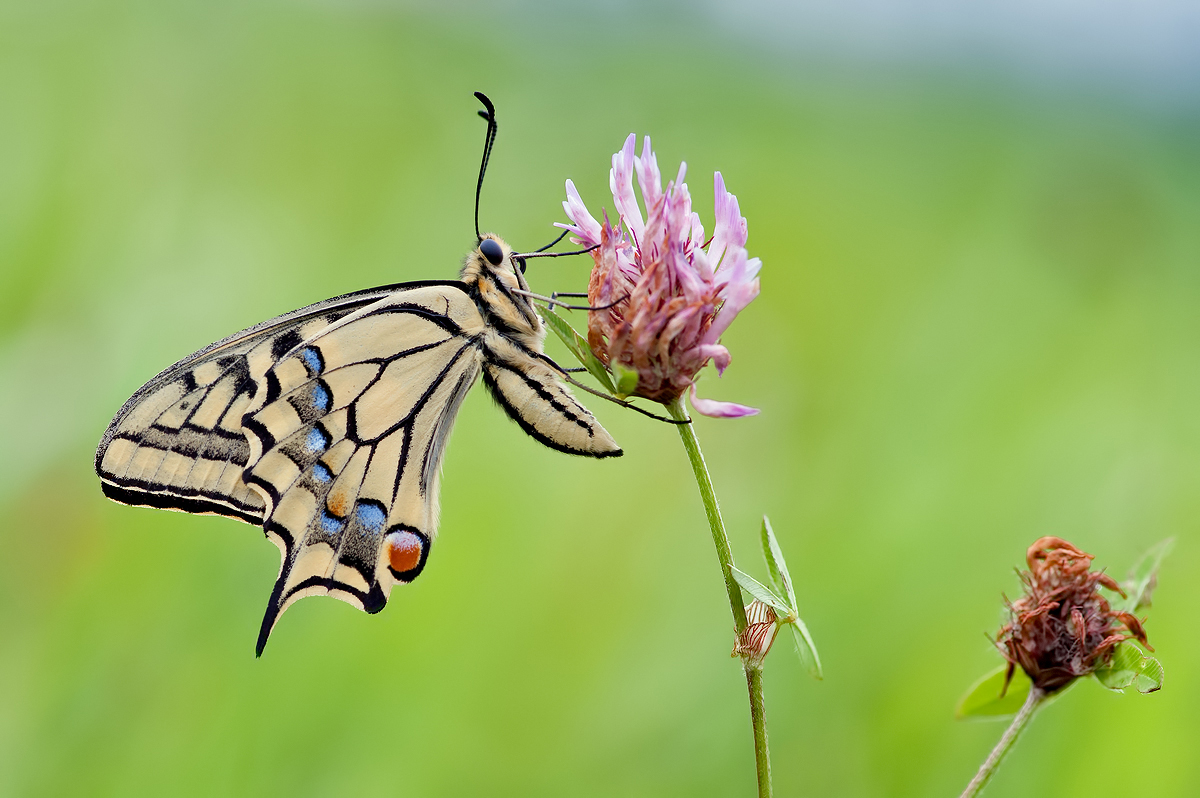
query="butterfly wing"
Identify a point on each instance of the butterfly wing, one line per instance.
(327, 426)
(346, 445)
(532, 392)
(178, 442)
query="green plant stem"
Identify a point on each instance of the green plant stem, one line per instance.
(692, 445)
(725, 556)
(1031, 705)
(758, 720)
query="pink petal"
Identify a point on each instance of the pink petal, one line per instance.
(714, 409)
(651, 242)
(719, 354)
(753, 267)
(701, 265)
(614, 260)
(649, 178)
(736, 268)
(730, 228)
(620, 181)
(585, 227)
(673, 325)
(627, 266)
(696, 235)
(734, 304)
(682, 173)
(740, 289)
(679, 212)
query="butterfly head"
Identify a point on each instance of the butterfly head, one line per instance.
(494, 259)
(497, 277)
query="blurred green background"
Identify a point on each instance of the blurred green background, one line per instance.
(978, 326)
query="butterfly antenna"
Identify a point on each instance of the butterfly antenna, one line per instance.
(490, 116)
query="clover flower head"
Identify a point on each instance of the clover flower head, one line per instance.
(1062, 628)
(665, 294)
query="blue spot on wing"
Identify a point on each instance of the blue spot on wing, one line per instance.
(370, 516)
(331, 524)
(312, 360)
(317, 440)
(321, 472)
(321, 398)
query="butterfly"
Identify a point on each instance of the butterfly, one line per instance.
(327, 425)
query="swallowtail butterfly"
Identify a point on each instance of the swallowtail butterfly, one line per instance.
(326, 426)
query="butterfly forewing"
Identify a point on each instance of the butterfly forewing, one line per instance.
(178, 442)
(348, 440)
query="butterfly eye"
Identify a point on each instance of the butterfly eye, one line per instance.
(491, 250)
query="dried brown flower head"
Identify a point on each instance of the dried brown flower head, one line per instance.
(1063, 628)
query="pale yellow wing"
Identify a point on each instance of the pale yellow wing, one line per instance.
(327, 426)
(178, 442)
(347, 440)
(532, 392)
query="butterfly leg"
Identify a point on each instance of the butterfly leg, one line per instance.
(566, 375)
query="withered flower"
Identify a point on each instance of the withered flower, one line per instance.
(756, 639)
(1063, 628)
(664, 294)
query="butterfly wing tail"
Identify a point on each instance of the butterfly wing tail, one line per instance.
(281, 598)
(347, 443)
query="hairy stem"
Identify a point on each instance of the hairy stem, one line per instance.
(990, 765)
(725, 556)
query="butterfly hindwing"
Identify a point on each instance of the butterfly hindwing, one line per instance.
(178, 442)
(346, 444)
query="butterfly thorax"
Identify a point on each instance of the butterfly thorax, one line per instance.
(495, 288)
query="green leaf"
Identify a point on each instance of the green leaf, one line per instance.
(627, 380)
(1129, 668)
(776, 565)
(806, 649)
(761, 592)
(984, 701)
(578, 346)
(1143, 578)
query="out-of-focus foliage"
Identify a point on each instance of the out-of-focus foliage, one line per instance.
(978, 325)
(1143, 578)
(997, 695)
(1131, 668)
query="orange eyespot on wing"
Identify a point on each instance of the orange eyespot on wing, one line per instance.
(406, 552)
(350, 433)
